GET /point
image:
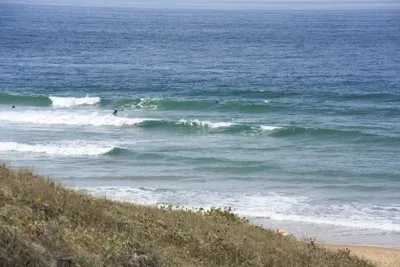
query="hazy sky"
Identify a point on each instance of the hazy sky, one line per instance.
(230, 4)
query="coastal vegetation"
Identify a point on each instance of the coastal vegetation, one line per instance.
(41, 222)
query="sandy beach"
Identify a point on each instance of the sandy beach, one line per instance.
(382, 257)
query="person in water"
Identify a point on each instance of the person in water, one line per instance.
(13, 106)
(116, 111)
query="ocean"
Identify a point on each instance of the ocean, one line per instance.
(291, 118)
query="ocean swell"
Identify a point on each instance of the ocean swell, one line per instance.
(247, 106)
(11, 99)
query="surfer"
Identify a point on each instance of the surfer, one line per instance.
(116, 111)
(13, 106)
(216, 101)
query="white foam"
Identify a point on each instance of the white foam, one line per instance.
(361, 223)
(58, 148)
(269, 128)
(73, 101)
(269, 205)
(208, 124)
(145, 103)
(68, 118)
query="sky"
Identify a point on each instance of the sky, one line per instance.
(224, 4)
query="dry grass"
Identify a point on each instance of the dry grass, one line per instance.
(41, 222)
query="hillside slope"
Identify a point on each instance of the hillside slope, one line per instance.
(41, 222)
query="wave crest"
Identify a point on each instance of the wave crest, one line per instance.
(206, 124)
(269, 128)
(73, 101)
(96, 119)
(50, 117)
(60, 148)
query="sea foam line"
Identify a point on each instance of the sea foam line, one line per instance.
(73, 101)
(208, 124)
(283, 208)
(269, 128)
(96, 119)
(58, 148)
(52, 117)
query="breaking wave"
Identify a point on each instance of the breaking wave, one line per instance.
(293, 208)
(59, 148)
(53, 117)
(45, 101)
(73, 101)
(141, 103)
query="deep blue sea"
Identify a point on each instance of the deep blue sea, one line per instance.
(292, 118)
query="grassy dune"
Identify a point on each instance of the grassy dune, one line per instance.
(41, 222)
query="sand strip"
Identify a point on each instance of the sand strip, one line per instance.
(382, 257)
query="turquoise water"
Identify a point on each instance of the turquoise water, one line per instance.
(290, 118)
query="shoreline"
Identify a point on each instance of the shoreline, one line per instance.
(381, 256)
(292, 228)
(334, 234)
(359, 245)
